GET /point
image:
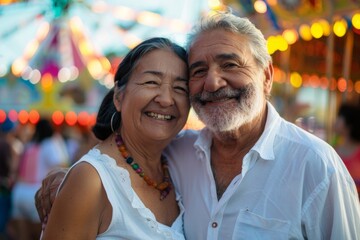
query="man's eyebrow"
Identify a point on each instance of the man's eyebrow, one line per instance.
(227, 56)
(195, 65)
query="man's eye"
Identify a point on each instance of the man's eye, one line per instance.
(199, 72)
(230, 65)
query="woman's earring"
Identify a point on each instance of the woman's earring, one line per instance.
(112, 120)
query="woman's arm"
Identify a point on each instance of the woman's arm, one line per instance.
(77, 209)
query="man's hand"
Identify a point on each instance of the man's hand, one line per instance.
(45, 196)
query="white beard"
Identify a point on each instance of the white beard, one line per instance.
(229, 117)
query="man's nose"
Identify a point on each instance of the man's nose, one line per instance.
(214, 81)
(165, 96)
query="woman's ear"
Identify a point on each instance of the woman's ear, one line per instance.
(118, 97)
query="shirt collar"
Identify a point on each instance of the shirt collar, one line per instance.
(264, 146)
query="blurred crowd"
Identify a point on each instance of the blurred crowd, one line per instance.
(27, 154)
(347, 145)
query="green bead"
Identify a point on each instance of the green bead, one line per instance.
(135, 166)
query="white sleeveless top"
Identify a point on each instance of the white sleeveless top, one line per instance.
(130, 218)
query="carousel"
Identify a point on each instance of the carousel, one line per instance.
(58, 59)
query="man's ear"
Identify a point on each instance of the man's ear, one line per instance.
(118, 98)
(269, 74)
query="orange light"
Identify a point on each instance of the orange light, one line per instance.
(341, 85)
(92, 121)
(34, 116)
(57, 117)
(23, 116)
(47, 82)
(333, 84)
(13, 116)
(2, 116)
(357, 86)
(350, 86)
(83, 118)
(324, 83)
(314, 81)
(71, 118)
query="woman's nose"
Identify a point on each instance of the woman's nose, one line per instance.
(165, 96)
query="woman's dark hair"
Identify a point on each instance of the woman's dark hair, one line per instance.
(102, 128)
(351, 115)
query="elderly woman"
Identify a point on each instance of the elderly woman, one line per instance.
(124, 180)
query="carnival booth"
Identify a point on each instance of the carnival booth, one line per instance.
(315, 45)
(58, 58)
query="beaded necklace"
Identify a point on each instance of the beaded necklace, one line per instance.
(164, 187)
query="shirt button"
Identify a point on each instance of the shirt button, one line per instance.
(214, 224)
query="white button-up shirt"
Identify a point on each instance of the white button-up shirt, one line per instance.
(293, 185)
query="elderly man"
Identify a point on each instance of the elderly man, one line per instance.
(250, 174)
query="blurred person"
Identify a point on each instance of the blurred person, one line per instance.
(8, 159)
(125, 178)
(347, 126)
(40, 156)
(78, 140)
(250, 174)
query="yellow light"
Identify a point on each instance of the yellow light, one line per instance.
(356, 20)
(18, 66)
(272, 2)
(271, 46)
(76, 25)
(46, 82)
(290, 35)
(85, 48)
(305, 32)
(325, 27)
(214, 4)
(43, 31)
(340, 27)
(281, 43)
(295, 79)
(124, 13)
(105, 63)
(316, 30)
(31, 49)
(5, 2)
(149, 19)
(260, 6)
(95, 68)
(131, 40)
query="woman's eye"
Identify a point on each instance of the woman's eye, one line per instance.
(181, 89)
(151, 82)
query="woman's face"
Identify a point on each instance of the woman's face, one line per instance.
(155, 101)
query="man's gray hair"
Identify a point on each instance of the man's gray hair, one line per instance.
(238, 25)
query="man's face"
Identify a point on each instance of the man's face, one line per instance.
(227, 88)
